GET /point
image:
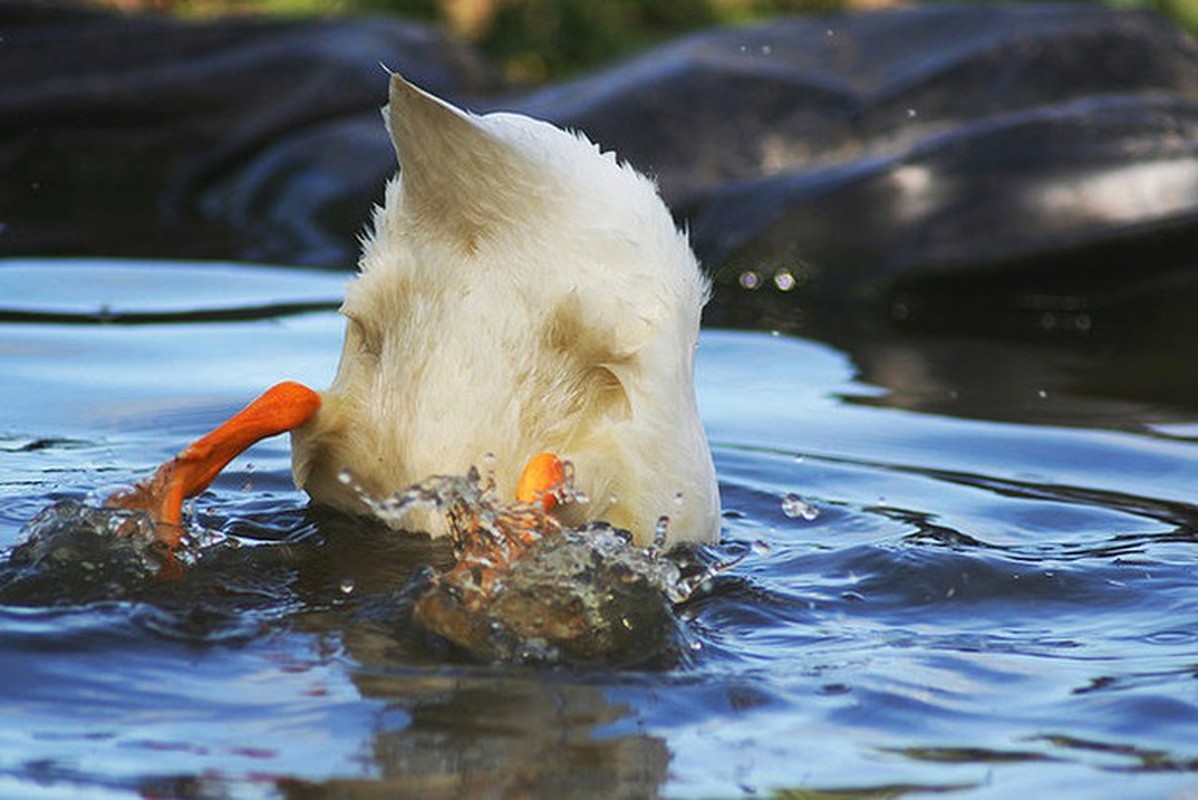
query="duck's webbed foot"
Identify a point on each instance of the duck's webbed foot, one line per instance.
(279, 409)
(543, 475)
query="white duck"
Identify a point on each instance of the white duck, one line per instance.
(522, 293)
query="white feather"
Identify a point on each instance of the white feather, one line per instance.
(521, 292)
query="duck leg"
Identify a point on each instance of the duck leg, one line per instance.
(543, 473)
(279, 409)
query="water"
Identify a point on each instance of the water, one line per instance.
(977, 583)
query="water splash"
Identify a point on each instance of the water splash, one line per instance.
(527, 588)
(72, 552)
(796, 507)
(524, 586)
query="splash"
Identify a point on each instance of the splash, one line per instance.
(796, 507)
(523, 586)
(72, 552)
(526, 588)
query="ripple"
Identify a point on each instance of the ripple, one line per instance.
(979, 604)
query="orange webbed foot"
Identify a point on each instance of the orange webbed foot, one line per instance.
(279, 409)
(542, 475)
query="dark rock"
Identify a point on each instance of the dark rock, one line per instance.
(947, 165)
(807, 94)
(148, 136)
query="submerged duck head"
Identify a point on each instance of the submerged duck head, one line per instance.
(520, 292)
(524, 302)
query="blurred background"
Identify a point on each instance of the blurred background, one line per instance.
(539, 40)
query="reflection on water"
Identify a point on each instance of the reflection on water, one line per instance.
(956, 565)
(543, 738)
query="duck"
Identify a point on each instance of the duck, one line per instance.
(523, 298)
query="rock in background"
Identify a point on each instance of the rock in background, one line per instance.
(1012, 166)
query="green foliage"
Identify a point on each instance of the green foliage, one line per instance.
(541, 38)
(1184, 12)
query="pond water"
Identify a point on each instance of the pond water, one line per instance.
(985, 590)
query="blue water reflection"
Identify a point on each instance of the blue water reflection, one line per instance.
(982, 606)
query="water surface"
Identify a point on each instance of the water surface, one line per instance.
(975, 587)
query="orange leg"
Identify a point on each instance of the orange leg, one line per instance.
(542, 474)
(279, 409)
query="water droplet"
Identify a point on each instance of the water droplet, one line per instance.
(1042, 394)
(661, 532)
(345, 477)
(766, 49)
(912, 113)
(749, 280)
(347, 586)
(796, 507)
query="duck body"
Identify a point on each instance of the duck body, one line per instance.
(520, 292)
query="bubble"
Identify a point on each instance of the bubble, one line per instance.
(345, 477)
(784, 280)
(912, 113)
(749, 280)
(347, 586)
(796, 507)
